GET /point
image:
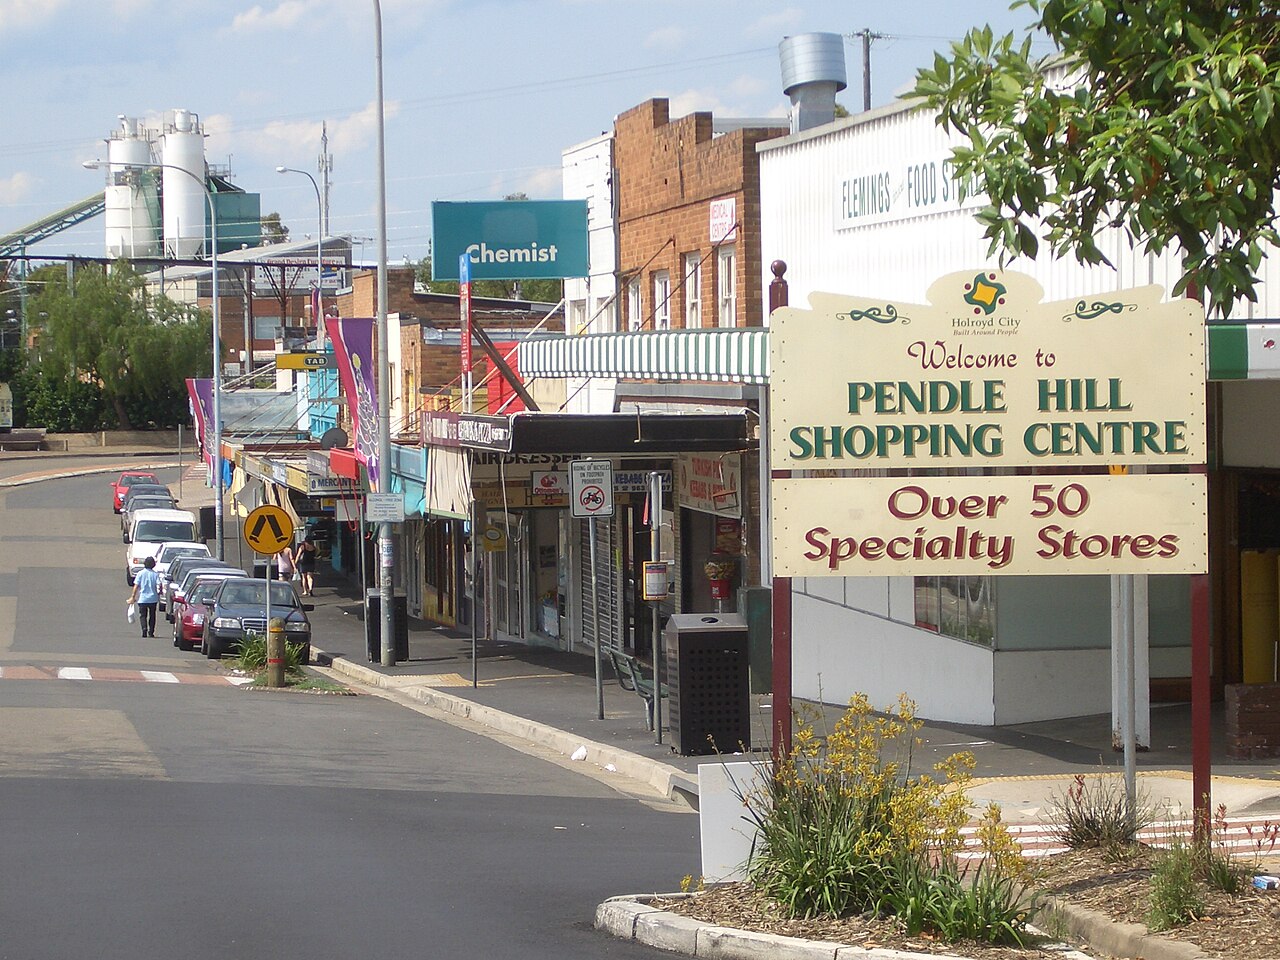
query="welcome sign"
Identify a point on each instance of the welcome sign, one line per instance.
(510, 239)
(984, 376)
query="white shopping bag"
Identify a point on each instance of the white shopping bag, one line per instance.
(132, 612)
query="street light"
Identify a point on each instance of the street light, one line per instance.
(385, 550)
(319, 245)
(217, 338)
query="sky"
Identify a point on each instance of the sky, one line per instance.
(481, 96)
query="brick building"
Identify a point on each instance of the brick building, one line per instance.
(680, 181)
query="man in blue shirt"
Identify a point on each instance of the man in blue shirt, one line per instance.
(146, 594)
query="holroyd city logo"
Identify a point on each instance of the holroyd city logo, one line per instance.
(984, 294)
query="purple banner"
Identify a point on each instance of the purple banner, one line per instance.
(201, 394)
(353, 346)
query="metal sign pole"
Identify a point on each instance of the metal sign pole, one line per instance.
(1130, 712)
(266, 629)
(655, 550)
(474, 564)
(595, 619)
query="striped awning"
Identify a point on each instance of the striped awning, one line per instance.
(738, 356)
(1236, 351)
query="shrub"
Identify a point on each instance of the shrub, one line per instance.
(252, 655)
(1094, 812)
(1175, 897)
(845, 827)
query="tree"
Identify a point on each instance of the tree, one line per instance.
(273, 231)
(1164, 126)
(104, 328)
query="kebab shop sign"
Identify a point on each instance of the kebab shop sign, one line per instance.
(988, 375)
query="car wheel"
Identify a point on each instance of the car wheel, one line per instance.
(212, 648)
(128, 578)
(305, 654)
(180, 640)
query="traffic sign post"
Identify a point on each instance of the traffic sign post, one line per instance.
(591, 496)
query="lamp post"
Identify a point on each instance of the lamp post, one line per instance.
(217, 336)
(319, 244)
(385, 549)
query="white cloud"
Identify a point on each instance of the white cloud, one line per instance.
(25, 13)
(286, 15)
(281, 140)
(776, 25)
(16, 188)
(698, 101)
(666, 38)
(544, 183)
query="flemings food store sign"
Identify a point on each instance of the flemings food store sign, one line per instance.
(987, 375)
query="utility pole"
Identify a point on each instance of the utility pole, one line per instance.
(867, 36)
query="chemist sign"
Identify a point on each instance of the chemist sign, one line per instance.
(987, 375)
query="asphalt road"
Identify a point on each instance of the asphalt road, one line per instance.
(182, 816)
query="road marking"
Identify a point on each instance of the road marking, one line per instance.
(74, 673)
(159, 676)
(24, 672)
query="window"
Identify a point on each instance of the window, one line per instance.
(692, 291)
(959, 607)
(635, 313)
(605, 315)
(727, 287)
(661, 300)
(265, 328)
(577, 316)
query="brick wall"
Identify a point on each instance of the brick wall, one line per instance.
(1253, 720)
(669, 171)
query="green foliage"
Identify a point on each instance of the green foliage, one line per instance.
(62, 406)
(845, 827)
(1094, 812)
(273, 230)
(1175, 896)
(990, 907)
(1167, 129)
(104, 332)
(252, 654)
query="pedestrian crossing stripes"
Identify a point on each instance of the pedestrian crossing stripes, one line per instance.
(83, 674)
(1240, 836)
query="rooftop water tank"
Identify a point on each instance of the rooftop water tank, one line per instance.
(812, 74)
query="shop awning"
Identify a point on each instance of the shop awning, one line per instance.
(737, 355)
(645, 434)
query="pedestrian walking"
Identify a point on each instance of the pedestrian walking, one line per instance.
(146, 594)
(306, 561)
(285, 567)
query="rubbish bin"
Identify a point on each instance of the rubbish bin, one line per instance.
(708, 675)
(373, 626)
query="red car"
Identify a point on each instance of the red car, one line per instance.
(128, 479)
(188, 612)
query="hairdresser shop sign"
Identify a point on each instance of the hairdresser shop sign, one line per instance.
(988, 375)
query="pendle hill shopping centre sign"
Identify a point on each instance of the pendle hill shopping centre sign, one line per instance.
(986, 375)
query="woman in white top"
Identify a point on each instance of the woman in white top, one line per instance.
(284, 563)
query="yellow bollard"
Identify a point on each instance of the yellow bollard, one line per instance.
(275, 653)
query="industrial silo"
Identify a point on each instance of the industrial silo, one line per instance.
(182, 149)
(132, 206)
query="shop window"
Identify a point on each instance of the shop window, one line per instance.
(578, 317)
(692, 291)
(959, 607)
(727, 287)
(661, 300)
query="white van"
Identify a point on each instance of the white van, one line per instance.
(148, 529)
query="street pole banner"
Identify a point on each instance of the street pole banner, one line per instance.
(201, 393)
(353, 346)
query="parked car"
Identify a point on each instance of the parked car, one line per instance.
(170, 552)
(215, 568)
(239, 607)
(171, 577)
(125, 481)
(188, 615)
(146, 489)
(143, 502)
(149, 529)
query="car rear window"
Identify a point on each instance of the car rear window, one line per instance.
(174, 553)
(157, 531)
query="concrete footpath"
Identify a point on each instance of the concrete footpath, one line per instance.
(548, 699)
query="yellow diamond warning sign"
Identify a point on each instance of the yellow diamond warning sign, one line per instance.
(268, 529)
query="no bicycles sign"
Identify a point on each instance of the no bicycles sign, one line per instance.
(591, 488)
